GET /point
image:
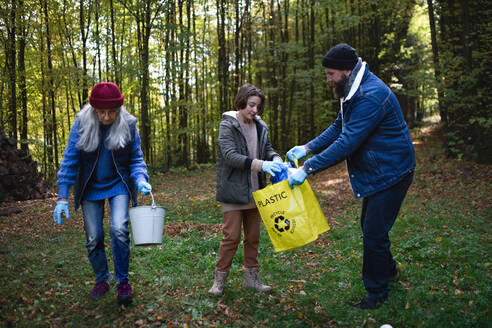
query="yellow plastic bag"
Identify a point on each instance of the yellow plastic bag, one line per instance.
(292, 217)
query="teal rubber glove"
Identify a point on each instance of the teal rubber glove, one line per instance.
(61, 206)
(271, 167)
(297, 152)
(297, 177)
(144, 187)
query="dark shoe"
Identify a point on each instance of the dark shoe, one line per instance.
(99, 290)
(370, 303)
(124, 293)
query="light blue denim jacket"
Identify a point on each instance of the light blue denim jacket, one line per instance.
(370, 133)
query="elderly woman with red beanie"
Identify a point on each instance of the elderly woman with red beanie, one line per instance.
(103, 160)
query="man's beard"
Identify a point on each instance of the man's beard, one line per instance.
(340, 88)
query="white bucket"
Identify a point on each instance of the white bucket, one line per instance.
(147, 223)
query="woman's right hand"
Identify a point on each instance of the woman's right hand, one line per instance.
(271, 167)
(61, 206)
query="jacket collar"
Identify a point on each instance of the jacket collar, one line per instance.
(233, 113)
(355, 79)
(231, 117)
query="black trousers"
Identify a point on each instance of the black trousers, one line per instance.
(379, 212)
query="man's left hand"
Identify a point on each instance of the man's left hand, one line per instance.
(297, 177)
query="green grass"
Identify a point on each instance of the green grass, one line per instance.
(442, 238)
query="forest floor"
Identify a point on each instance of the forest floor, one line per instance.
(442, 240)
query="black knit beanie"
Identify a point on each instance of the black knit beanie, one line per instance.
(342, 57)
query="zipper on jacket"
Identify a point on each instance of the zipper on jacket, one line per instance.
(341, 110)
(92, 171)
(237, 126)
(117, 171)
(247, 151)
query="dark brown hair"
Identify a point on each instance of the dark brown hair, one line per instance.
(246, 91)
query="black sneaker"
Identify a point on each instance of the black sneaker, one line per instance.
(370, 303)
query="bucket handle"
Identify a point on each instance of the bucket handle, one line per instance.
(153, 202)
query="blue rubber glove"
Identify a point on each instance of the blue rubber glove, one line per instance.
(271, 167)
(297, 152)
(61, 206)
(297, 177)
(144, 187)
(278, 159)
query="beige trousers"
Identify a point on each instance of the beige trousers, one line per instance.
(232, 220)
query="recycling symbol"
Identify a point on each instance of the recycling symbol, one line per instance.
(282, 224)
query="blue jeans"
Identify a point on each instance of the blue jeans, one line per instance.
(379, 212)
(93, 211)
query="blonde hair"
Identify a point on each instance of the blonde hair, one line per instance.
(90, 134)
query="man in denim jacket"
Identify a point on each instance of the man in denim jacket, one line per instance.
(371, 134)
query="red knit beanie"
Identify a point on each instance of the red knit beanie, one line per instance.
(106, 95)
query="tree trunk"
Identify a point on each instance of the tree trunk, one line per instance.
(143, 16)
(116, 69)
(84, 32)
(293, 82)
(272, 67)
(168, 86)
(46, 135)
(145, 78)
(181, 85)
(98, 42)
(22, 76)
(11, 66)
(206, 106)
(312, 125)
(75, 64)
(300, 117)
(173, 93)
(284, 33)
(223, 58)
(186, 118)
(2, 89)
(437, 68)
(53, 150)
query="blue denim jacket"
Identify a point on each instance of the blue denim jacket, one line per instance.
(77, 166)
(370, 133)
